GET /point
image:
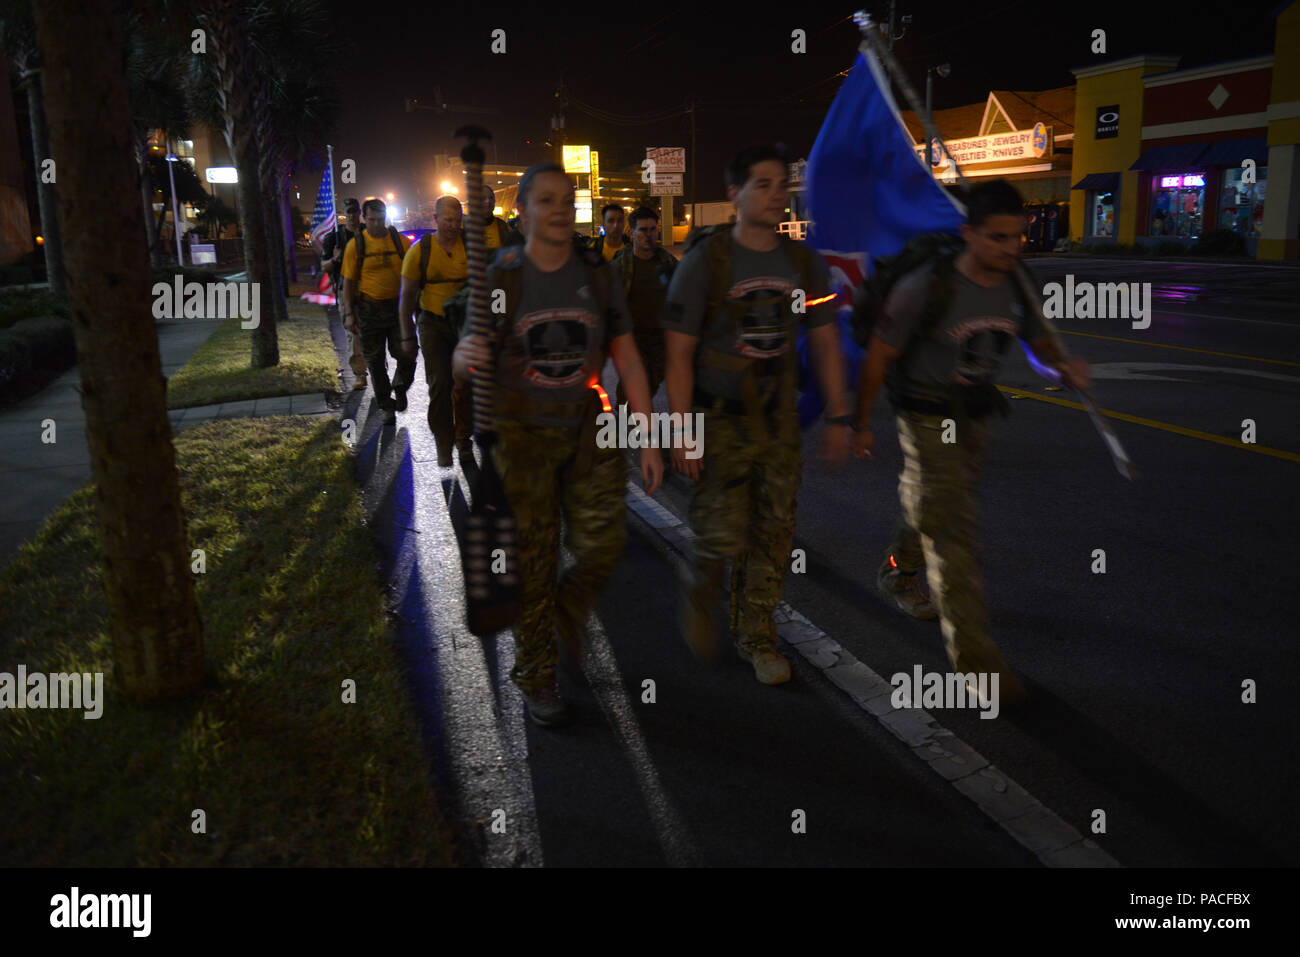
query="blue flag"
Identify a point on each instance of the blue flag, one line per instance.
(868, 191)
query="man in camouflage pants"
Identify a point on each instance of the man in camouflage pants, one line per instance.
(730, 325)
(943, 392)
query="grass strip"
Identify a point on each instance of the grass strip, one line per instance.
(220, 370)
(291, 605)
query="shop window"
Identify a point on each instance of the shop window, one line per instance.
(1241, 207)
(1101, 214)
(1178, 205)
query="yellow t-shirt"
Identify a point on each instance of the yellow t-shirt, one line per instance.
(609, 252)
(445, 275)
(381, 274)
(492, 234)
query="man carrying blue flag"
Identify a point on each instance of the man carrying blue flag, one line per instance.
(942, 331)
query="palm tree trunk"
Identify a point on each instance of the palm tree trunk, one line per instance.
(55, 271)
(286, 217)
(228, 50)
(157, 641)
(146, 198)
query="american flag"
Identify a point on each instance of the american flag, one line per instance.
(324, 219)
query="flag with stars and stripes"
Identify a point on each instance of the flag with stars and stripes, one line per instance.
(324, 219)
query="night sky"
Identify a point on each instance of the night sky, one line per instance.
(635, 59)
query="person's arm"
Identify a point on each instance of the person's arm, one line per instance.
(682, 321)
(679, 379)
(1048, 362)
(871, 375)
(631, 372)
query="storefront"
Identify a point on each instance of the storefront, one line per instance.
(1169, 157)
(1024, 137)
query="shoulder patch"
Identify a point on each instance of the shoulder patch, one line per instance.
(509, 257)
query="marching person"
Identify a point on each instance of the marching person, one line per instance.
(433, 271)
(943, 390)
(372, 273)
(332, 260)
(646, 269)
(563, 314)
(730, 328)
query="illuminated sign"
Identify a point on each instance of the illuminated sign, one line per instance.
(581, 205)
(577, 159)
(995, 148)
(222, 174)
(1107, 122)
(1187, 181)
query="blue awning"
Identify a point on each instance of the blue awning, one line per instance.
(1232, 152)
(1178, 157)
(1101, 182)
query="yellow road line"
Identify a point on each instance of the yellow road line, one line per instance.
(1162, 345)
(1163, 426)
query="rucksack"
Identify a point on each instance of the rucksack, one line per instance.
(393, 234)
(510, 274)
(762, 381)
(717, 242)
(937, 251)
(625, 259)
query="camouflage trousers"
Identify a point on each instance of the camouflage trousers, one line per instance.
(536, 468)
(743, 509)
(653, 356)
(451, 409)
(937, 489)
(378, 325)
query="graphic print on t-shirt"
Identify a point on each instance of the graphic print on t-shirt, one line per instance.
(555, 342)
(976, 341)
(762, 325)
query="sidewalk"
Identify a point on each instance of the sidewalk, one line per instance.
(36, 477)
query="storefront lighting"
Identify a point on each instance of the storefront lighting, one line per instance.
(1189, 180)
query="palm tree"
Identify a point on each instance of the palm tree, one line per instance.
(226, 73)
(157, 640)
(154, 79)
(19, 39)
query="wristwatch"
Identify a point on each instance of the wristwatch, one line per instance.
(845, 419)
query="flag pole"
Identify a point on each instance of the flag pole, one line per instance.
(873, 44)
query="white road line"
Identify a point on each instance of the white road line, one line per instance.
(601, 669)
(1035, 826)
(484, 735)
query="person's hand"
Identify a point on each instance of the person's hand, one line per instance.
(835, 445)
(652, 469)
(471, 352)
(863, 443)
(350, 323)
(684, 466)
(1076, 374)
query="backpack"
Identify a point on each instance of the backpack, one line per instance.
(716, 240)
(361, 248)
(625, 259)
(761, 383)
(937, 251)
(510, 275)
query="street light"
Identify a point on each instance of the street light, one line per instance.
(943, 70)
(172, 158)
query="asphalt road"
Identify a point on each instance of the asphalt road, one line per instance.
(1135, 675)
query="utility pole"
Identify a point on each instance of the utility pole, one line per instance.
(694, 161)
